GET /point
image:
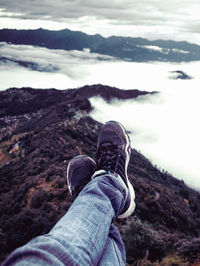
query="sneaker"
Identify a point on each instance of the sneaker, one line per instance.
(79, 172)
(113, 155)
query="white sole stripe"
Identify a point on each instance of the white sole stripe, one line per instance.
(131, 207)
(68, 185)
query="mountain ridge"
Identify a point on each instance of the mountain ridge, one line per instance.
(123, 48)
(33, 193)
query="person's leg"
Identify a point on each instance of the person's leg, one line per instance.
(114, 251)
(79, 238)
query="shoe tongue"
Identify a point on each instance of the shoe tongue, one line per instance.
(109, 145)
(109, 137)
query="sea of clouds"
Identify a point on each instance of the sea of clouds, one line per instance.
(164, 127)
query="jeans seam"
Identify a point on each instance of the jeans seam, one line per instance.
(116, 252)
(103, 221)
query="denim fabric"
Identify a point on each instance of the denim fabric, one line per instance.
(85, 235)
(114, 251)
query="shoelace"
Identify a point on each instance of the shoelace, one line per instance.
(108, 157)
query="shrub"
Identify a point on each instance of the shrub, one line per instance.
(142, 241)
(189, 249)
(184, 193)
(2, 240)
(60, 182)
(37, 199)
(173, 260)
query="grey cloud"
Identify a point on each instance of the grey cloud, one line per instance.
(195, 27)
(44, 60)
(115, 10)
(173, 17)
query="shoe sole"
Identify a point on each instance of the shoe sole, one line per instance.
(131, 207)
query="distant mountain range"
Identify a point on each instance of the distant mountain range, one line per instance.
(125, 48)
(40, 131)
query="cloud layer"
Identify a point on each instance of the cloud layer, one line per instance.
(153, 19)
(164, 127)
(71, 68)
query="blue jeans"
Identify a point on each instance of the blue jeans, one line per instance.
(85, 235)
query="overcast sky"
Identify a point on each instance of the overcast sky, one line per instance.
(152, 19)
